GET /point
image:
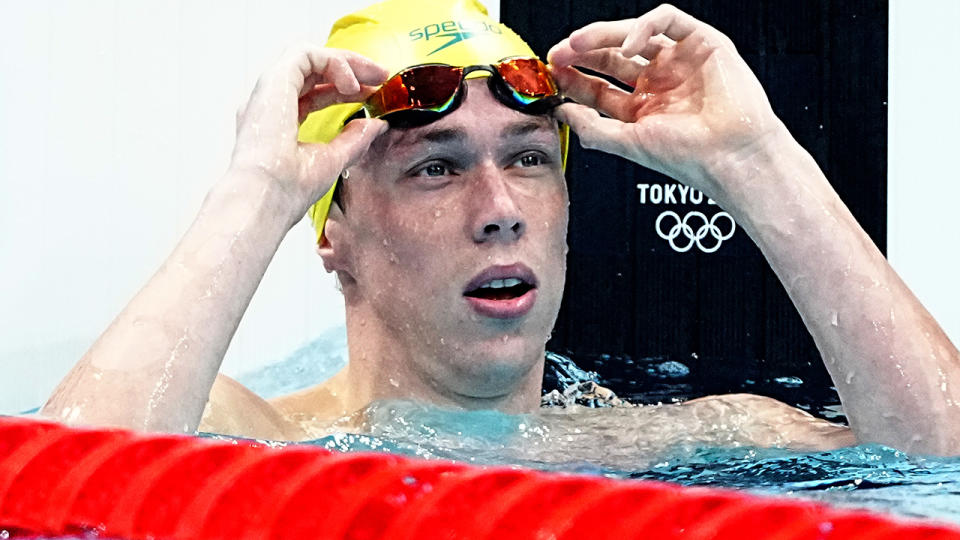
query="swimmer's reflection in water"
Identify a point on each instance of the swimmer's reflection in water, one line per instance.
(449, 236)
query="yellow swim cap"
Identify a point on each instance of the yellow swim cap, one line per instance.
(401, 33)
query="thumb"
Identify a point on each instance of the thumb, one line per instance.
(323, 162)
(347, 147)
(599, 132)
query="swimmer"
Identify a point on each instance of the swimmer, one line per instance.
(446, 228)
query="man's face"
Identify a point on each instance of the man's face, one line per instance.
(457, 234)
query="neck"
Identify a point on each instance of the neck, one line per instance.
(384, 365)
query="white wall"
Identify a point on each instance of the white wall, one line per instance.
(116, 117)
(924, 143)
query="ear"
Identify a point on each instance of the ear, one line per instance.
(334, 248)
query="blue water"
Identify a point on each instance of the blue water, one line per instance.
(869, 476)
(666, 443)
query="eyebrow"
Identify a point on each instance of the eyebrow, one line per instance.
(522, 128)
(445, 135)
(440, 136)
(457, 135)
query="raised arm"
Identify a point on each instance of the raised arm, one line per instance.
(153, 367)
(699, 115)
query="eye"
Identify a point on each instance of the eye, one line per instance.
(433, 169)
(530, 159)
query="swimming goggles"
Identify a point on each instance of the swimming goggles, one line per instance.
(424, 93)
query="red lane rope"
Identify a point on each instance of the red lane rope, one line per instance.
(99, 491)
(56, 480)
(433, 515)
(243, 490)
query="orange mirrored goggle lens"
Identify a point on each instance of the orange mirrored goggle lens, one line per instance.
(426, 87)
(527, 78)
(434, 89)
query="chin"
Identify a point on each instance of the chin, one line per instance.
(498, 359)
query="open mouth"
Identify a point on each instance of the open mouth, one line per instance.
(503, 292)
(501, 289)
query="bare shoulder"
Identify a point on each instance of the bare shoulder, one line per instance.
(778, 424)
(234, 409)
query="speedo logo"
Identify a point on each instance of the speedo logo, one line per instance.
(449, 33)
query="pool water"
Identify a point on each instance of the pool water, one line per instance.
(666, 443)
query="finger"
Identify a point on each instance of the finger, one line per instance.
(632, 36)
(345, 149)
(664, 19)
(346, 69)
(596, 132)
(654, 45)
(366, 70)
(600, 35)
(324, 95)
(594, 92)
(610, 62)
(341, 75)
(671, 26)
(356, 138)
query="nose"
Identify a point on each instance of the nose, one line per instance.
(497, 218)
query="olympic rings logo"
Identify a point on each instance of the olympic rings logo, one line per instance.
(685, 228)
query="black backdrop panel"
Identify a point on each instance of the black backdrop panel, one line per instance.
(660, 321)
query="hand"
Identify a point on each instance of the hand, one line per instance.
(305, 79)
(695, 104)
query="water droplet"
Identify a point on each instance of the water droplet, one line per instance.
(789, 382)
(394, 383)
(849, 378)
(386, 242)
(437, 213)
(833, 318)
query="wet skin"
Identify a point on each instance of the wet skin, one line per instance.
(430, 214)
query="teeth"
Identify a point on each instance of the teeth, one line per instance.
(501, 283)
